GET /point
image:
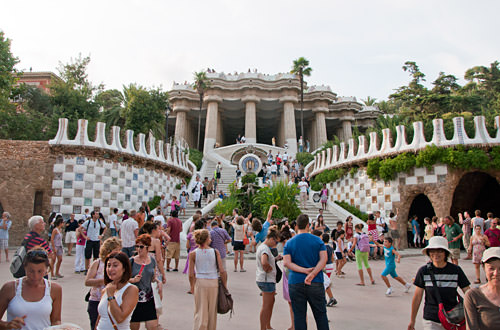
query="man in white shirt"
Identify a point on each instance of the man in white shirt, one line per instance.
(303, 193)
(381, 225)
(128, 233)
(93, 227)
(285, 157)
(159, 216)
(164, 204)
(113, 222)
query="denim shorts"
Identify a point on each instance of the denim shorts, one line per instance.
(267, 286)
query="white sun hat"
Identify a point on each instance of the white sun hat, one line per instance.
(492, 252)
(437, 242)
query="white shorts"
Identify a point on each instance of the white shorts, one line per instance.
(70, 237)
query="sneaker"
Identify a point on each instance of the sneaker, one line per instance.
(388, 292)
(331, 302)
(407, 287)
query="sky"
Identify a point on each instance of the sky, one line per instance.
(356, 47)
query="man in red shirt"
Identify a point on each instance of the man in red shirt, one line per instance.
(174, 228)
(493, 233)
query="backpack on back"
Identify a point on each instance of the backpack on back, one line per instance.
(364, 243)
(16, 266)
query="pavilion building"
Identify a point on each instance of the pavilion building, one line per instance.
(262, 107)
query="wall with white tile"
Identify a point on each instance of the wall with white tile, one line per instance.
(80, 182)
(371, 195)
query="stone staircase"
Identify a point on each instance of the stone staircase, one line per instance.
(330, 217)
(228, 175)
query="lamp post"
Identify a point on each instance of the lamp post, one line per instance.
(167, 112)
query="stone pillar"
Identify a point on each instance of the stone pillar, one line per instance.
(211, 122)
(346, 129)
(321, 136)
(250, 118)
(289, 122)
(181, 129)
(220, 137)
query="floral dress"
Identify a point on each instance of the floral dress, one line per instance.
(477, 250)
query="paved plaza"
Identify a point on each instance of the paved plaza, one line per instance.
(358, 308)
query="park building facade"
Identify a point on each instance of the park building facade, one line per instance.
(263, 108)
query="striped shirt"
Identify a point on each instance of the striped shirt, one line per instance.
(448, 280)
(33, 239)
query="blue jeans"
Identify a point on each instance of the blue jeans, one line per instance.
(113, 232)
(314, 294)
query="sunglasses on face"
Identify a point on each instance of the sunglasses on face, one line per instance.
(140, 246)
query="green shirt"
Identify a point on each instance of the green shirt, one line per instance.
(452, 232)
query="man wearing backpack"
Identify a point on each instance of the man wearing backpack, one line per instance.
(93, 227)
(305, 256)
(36, 226)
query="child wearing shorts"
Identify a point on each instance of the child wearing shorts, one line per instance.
(339, 252)
(328, 271)
(390, 255)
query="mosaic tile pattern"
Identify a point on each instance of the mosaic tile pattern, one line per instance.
(81, 183)
(371, 195)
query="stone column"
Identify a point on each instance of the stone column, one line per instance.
(181, 129)
(250, 118)
(211, 122)
(346, 129)
(321, 136)
(289, 122)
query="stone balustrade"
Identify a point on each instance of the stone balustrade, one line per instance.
(171, 155)
(351, 154)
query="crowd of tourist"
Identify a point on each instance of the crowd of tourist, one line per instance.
(126, 271)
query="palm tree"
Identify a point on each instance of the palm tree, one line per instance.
(369, 101)
(201, 83)
(301, 68)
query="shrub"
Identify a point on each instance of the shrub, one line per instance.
(353, 210)
(249, 178)
(196, 157)
(429, 156)
(304, 158)
(373, 167)
(153, 203)
(280, 194)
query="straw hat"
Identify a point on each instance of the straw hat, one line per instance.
(492, 252)
(437, 242)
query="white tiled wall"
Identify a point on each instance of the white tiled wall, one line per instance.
(81, 183)
(371, 195)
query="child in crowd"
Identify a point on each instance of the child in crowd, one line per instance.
(339, 252)
(428, 231)
(81, 238)
(390, 254)
(328, 270)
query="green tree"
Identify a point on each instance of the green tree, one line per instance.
(143, 111)
(301, 68)
(73, 97)
(111, 103)
(201, 83)
(8, 73)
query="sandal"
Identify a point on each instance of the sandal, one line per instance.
(242, 270)
(477, 281)
(373, 282)
(360, 284)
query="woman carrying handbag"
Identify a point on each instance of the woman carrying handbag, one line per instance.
(205, 282)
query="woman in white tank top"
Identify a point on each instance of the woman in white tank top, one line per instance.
(120, 297)
(32, 302)
(204, 284)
